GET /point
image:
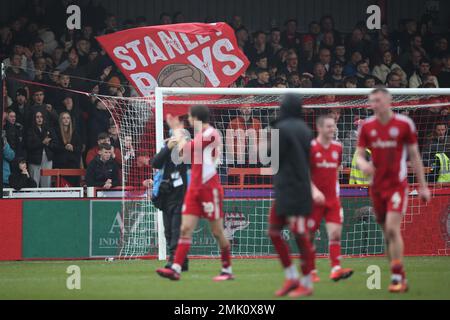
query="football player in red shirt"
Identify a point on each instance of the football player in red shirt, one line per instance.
(325, 161)
(204, 196)
(392, 138)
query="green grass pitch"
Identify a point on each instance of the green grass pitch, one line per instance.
(429, 278)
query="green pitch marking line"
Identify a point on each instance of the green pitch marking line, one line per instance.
(429, 278)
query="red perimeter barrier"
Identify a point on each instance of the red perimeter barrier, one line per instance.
(10, 229)
(426, 231)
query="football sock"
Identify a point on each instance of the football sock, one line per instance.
(226, 259)
(306, 253)
(335, 253)
(281, 248)
(398, 273)
(291, 272)
(184, 244)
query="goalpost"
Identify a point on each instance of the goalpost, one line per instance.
(247, 184)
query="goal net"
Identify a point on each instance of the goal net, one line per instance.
(243, 116)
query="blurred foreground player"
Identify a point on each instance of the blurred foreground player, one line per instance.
(325, 161)
(391, 138)
(293, 196)
(204, 197)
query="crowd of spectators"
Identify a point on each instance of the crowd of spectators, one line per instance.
(48, 126)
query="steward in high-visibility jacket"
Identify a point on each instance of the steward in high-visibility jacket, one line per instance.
(356, 175)
(441, 168)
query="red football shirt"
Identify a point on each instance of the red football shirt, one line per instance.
(325, 163)
(388, 144)
(205, 155)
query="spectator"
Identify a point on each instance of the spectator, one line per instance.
(440, 169)
(20, 177)
(306, 80)
(438, 142)
(349, 142)
(40, 146)
(14, 133)
(27, 63)
(258, 47)
(8, 157)
(325, 58)
(98, 121)
(444, 74)
(413, 62)
(327, 26)
(239, 128)
(350, 82)
(350, 68)
(418, 77)
(114, 135)
(385, 67)
(383, 46)
(314, 30)
(362, 71)
(327, 41)
(103, 171)
(20, 105)
(294, 80)
(290, 38)
(56, 96)
(291, 63)
(76, 71)
(236, 22)
(129, 153)
(320, 75)
(441, 46)
(425, 120)
(41, 73)
(165, 18)
(261, 61)
(14, 74)
(178, 17)
(336, 77)
(68, 147)
(103, 138)
(78, 122)
(242, 38)
(114, 87)
(50, 116)
(370, 82)
(38, 50)
(274, 45)
(340, 54)
(262, 79)
(307, 51)
(393, 80)
(356, 42)
(279, 83)
(415, 45)
(405, 37)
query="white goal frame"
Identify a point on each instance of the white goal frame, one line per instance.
(161, 92)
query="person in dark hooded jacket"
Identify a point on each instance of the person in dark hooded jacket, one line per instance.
(293, 195)
(103, 171)
(20, 178)
(293, 173)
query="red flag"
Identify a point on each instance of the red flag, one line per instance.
(177, 55)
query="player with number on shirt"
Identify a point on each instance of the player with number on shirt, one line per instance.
(325, 161)
(204, 197)
(391, 138)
